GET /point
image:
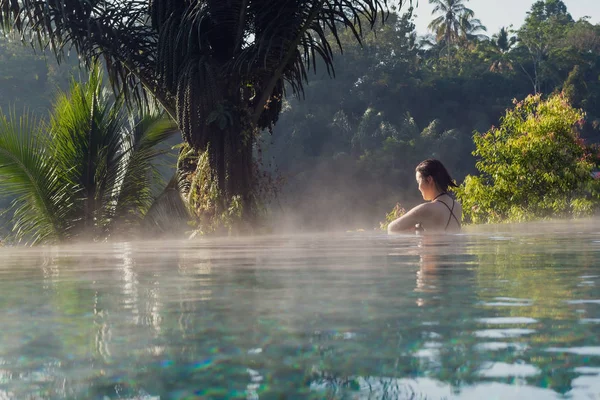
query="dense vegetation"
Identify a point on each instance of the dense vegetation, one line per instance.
(88, 172)
(346, 148)
(218, 68)
(534, 165)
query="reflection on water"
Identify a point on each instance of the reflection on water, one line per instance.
(507, 313)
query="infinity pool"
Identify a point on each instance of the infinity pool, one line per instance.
(501, 312)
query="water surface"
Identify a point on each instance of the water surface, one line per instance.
(496, 312)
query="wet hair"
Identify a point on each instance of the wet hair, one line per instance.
(438, 172)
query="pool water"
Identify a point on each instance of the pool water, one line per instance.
(509, 311)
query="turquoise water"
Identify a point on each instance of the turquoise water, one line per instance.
(493, 313)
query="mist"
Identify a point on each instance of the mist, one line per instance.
(343, 153)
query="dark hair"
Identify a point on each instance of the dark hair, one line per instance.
(437, 171)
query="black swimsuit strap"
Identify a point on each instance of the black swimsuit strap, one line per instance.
(451, 213)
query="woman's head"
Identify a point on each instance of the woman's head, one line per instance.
(433, 178)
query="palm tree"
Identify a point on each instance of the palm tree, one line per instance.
(503, 42)
(453, 19)
(87, 170)
(448, 25)
(502, 45)
(218, 67)
(471, 29)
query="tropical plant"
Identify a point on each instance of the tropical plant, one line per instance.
(447, 26)
(502, 44)
(454, 21)
(217, 66)
(534, 165)
(86, 173)
(472, 29)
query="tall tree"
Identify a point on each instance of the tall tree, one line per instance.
(544, 29)
(217, 66)
(452, 21)
(502, 44)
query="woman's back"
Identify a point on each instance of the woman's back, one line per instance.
(440, 215)
(446, 214)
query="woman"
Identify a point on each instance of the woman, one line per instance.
(442, 213)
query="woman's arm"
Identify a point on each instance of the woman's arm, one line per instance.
(409, 220)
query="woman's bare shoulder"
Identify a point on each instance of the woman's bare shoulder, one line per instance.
(407, 222)
(423, 208)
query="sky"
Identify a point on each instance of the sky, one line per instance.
(495, 14)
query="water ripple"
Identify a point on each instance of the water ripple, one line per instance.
(507, 320)
(505, 370)
(594, 301)
(503, 333)
(583, 351)
(496, 346)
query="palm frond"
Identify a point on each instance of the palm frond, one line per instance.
(75, 175)
(41, 197)
(439, 8)
(436, 23)
(465, 12)
(168, 212)
(185, 53)
(288, 38)
(139, 176)
(86, 128)
(116, 31)
(453, 19)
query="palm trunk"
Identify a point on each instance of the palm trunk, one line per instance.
(220, 188)
(235, 166)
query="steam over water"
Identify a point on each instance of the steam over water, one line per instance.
(497, 312)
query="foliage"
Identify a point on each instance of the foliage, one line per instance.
(211, 214)
(501, 45)
(348, 146)
(354, 142)
(452, 21)
(534, 165)
(396, 213)
(540, 38)
(455, 24)
(86, 173)
(574, 88)
(27, 85)
(223, 83)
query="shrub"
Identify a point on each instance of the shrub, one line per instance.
(533, 166)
